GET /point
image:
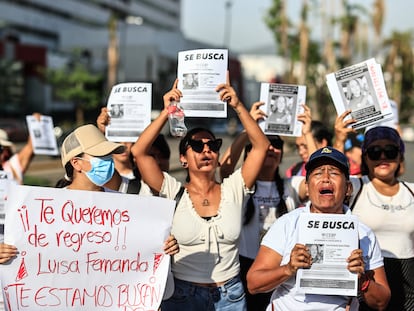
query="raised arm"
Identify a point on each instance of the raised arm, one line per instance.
(306, 119)
(231, 156)
(251, 166)
(25, 155)
(150, 171)
(342, 130)
(103, 119)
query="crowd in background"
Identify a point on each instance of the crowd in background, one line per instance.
(232, 241)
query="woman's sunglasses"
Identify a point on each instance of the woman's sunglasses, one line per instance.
(276, 143)
(391, 152)
(198, 145)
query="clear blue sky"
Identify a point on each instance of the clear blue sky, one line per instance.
(204, 20)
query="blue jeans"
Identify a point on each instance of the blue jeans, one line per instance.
(190, 297)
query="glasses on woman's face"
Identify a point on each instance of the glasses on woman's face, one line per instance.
(198, 145)
(276, 143)
(390, 151)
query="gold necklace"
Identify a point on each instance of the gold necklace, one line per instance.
(205, 202)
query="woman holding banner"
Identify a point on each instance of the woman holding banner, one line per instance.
(87, 159)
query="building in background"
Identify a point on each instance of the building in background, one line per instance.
(37, 33)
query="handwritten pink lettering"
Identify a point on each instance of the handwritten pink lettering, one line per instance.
(99, 296)
(46, 212)
(93, 215)
(37, 239)
(115, 265)
(54, 266)
(144, 295)
(140, 296)
(76, 240)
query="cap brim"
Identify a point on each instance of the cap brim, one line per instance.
(323, 160)
(105, 148)
(6, 143)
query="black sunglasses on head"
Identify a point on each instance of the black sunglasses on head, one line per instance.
(390, 151)
(198, 145)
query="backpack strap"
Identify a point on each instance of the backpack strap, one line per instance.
(361, 184)
(409, 189)
(134, 186)
(178, 196)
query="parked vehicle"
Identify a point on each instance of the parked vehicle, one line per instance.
(16, 129)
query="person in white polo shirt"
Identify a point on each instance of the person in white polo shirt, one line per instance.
(280, 255)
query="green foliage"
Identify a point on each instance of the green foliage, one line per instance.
(343, 52)
(277, 22)
(403, 59)
(77, 84)
(11, 87)
(38, 181)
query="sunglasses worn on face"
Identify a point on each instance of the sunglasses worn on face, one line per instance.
(198, 145)
(276, 143)
(391, 152)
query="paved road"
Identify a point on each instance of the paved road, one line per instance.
(50, 169)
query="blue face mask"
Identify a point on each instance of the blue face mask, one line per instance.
(101, 171)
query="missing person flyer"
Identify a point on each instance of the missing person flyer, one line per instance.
(129, 106)
(282, 104)
(361, 89)
(199, 72)
(330, 238)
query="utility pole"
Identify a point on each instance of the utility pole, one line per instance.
(227, 25)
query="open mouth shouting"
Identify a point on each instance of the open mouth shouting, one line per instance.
(326, 191)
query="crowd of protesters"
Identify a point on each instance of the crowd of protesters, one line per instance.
(234, 241)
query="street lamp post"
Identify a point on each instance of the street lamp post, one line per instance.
(227, 25)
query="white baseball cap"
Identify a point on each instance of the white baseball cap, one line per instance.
(4, 139)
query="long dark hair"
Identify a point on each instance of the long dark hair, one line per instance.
(281, 209)
(67, 179)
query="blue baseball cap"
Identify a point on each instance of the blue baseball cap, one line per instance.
(382, 132)
(327, 155)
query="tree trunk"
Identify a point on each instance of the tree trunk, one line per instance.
(113, 54)
(80, 117)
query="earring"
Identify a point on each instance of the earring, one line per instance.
(184, 164)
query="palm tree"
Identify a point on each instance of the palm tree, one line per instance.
(113, 52)
(399, 65)
(303, 42)
(277, 21)
(377, 21)
(329, 56)
(349, 25)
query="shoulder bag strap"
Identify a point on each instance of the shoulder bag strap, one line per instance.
(178, 196)
(361, 183)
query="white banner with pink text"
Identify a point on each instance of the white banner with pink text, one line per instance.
(85, 250)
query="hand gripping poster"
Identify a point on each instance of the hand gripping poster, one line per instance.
(129, 106)
(282, 104)
(199, 72)
(330, 238)
(361, 89)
